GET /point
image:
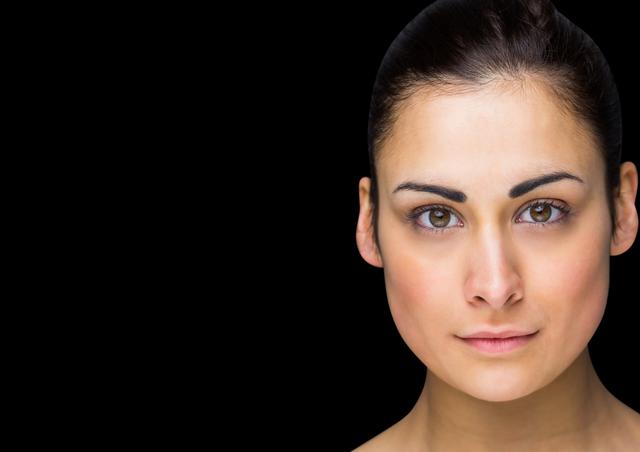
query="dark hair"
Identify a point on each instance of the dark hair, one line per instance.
(464, 44)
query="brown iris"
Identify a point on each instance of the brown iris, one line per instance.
(540, 213)
(439, 218)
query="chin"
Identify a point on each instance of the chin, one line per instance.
(504, 395)
(499, 386)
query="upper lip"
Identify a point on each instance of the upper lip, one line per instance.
(498, 334)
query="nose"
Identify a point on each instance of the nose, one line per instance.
(493, 277)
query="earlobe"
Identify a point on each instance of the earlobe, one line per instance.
(627, 215)
(364, 230)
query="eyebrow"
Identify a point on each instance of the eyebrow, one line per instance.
(515, 192)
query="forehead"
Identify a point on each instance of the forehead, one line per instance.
(501, 132)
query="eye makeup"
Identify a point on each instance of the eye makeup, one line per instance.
(560, 210)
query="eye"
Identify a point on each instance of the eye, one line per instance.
(439, 218)
(434, 218)
(544, 213)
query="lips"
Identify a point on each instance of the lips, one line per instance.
(497, 334)
(499, 345)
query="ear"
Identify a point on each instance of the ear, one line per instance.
(364, 231)
(626, 215)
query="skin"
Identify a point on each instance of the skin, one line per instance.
(486, 269)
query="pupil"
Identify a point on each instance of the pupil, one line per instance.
(439, 218)
(541, 213)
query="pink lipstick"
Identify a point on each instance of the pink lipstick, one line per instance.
(505, 342)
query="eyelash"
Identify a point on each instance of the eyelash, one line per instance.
(416, 213)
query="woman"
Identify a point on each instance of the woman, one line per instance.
(495, 200)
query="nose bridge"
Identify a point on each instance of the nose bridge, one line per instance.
(493, 275)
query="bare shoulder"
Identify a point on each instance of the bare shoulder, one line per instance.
(387, 440)
(628, 428)
(633, 418)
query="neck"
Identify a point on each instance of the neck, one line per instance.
(564, 413)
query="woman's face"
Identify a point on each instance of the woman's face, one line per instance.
(488, 261)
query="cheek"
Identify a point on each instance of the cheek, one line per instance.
(418, 301)
(576, 290)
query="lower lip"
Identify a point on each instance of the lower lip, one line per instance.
(497, 346)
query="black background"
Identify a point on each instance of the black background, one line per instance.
(331, 353)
